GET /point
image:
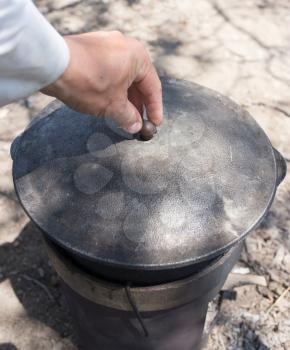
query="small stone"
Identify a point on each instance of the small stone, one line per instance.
(279, 256)
(73, 24)
(40, 272)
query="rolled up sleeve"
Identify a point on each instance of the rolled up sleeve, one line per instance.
(32, 53)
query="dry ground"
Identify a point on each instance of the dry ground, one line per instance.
(240, 48)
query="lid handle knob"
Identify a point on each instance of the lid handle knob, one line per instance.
(148, 130)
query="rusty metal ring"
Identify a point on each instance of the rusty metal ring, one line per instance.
(205, 284)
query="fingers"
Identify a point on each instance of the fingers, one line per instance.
(135, 97)
(127, 116)
(150, 89)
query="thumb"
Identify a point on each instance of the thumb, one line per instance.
(129, 118)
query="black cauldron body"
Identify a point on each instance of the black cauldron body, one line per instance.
(117, 316)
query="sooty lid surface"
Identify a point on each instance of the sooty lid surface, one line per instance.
(197, 187)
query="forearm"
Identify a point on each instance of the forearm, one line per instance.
(32, 53)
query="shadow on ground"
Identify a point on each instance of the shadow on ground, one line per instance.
(7, 346)
(34, 281)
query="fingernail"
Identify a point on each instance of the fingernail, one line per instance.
(134, 128)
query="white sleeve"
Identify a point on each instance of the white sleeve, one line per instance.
(32, 53)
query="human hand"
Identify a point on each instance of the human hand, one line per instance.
(110, 75)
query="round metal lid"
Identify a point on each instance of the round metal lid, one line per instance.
(204, 181)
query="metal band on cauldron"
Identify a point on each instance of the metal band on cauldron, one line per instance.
(148, 299)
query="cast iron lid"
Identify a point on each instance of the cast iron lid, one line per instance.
(200, 185)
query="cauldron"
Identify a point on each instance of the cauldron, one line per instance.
(151, 211)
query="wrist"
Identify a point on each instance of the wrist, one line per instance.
(58, 86)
